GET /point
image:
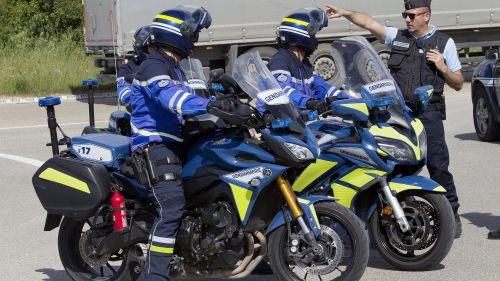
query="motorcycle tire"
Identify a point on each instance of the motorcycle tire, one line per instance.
(351, 225)
(70, 235)
(440, 246)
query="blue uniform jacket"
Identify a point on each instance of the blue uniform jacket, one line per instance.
(160, 98)
(123, 88)
(298, 80)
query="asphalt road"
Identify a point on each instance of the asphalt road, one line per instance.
(29, 253)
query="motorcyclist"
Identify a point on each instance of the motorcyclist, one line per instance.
(142, 48)
(159, 101)
(291, 66)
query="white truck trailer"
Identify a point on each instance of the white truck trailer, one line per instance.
(241, 25)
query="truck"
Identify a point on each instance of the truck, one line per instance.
(239, 26)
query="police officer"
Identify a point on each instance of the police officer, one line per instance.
(142, 48)
(291, 67)
(421, 55)
(159, 100)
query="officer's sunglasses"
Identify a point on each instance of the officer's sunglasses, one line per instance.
(412, 16)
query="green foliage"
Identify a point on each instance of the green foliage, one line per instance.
(24, 21)
(41, 47)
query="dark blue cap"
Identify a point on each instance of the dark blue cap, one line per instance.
(413, 4)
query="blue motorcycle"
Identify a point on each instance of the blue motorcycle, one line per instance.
(240, 205)
(369, 161)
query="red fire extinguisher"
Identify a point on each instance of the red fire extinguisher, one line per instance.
(119, 212)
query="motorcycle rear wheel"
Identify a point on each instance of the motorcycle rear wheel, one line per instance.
(432, 230)
(346, 225)
(121, 266)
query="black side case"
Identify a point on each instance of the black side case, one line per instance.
(71, 187)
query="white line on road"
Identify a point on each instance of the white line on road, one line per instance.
(45, 125)
(33, 162)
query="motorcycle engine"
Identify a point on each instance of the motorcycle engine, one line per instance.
(207, 237)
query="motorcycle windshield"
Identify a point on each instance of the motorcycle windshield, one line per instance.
(255, 79)
(359, 66)
(192, 68)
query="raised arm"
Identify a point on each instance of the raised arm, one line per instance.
(360, 19)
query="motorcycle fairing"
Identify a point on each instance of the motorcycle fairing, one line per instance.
(402, 184)
(306, 203)
(247, 184)
(315, 171)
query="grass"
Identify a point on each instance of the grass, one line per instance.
(48, 68)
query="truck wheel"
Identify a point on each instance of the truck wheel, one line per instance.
(382, 50)
(326, 66)
(266, 53)
(486, 128)
(369, 69)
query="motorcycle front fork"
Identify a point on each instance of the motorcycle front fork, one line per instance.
(397, 211)
(291, 200)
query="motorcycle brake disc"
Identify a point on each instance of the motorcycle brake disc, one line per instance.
(323, 264)
(422, 230)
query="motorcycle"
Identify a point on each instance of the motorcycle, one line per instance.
(370, 159)
(240, 205)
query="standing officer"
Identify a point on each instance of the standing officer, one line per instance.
(421, 55)
(142, 48)
(159, 101)
(291, 67)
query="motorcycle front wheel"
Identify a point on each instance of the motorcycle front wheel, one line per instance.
(77, 244)
(343, 242)
(431, 234)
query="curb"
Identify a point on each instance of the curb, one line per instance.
(21, 100)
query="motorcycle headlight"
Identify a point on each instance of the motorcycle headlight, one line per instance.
(422, 142)
(300, 152)
(398, 150)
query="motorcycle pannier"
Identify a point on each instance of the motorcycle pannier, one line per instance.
(71, 187)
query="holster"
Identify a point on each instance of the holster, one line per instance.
(149, 171)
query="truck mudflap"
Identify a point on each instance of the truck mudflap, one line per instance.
(71, 187)
(402, 184)
(306, 203)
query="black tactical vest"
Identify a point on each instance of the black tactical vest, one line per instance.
(409, 66)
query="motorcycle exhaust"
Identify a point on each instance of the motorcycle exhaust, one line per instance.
(396, 207)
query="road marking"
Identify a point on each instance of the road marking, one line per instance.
(29, 161)
(45, 125)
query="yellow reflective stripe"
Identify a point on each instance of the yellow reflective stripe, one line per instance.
(312, 209)
(169, 18)
(417, 126)
(301, 22)
(343, 194)
(399, 187)
(360, 177)
(357, 106)
(64, 179)
(163, 250)
(381, 152)
(311, 173)
(439, 189)
(391, 133)
(242, 198)
(148, 134)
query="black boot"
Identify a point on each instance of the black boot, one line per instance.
(494, 234)
(458, 226)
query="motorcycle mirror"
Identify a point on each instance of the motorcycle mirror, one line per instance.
(215, 75)
(424, 95)
(228, 82)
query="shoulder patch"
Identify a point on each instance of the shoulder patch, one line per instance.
(282, 78)
(163, 83)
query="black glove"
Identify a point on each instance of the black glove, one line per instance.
(317, 105)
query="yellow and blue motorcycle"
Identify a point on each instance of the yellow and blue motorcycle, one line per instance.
(370, 163)
(240, 206)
